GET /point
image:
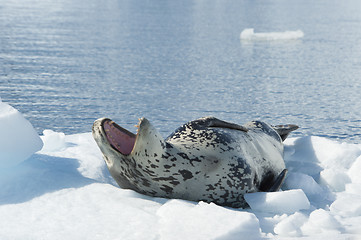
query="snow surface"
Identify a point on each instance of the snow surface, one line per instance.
(248, 34)
(65, 191)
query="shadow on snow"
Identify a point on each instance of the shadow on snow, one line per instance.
(38, 175)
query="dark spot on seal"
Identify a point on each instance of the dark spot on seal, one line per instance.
(225, 195)
(167, 189)
(191, 160)
(150, 172)
(186, 174)
(174, 183)
(145, 182)
(164, 178)
(183, 155)
(210, 187)
(154, 166)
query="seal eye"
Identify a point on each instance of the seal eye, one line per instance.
(119, 138)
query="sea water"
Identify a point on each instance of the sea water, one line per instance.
(64, 64)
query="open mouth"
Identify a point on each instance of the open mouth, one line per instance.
(119, 138)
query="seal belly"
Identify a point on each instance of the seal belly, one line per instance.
(231, 164)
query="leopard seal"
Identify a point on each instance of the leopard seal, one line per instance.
(203, 160)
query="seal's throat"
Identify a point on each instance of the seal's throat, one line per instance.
(119, 138)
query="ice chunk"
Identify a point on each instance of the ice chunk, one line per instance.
(53, 141)
(347, 205)
(336, 179)
(354, 188)
(278, 202)
(183, 220)
(355, 170)
(248, 34)
(290, 226)
(333, 154)
(321, 221)
(301, 156)
(302, 181)
(18, 138)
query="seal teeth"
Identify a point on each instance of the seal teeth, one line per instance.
(138, 125)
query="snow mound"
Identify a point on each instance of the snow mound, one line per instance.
(18, 138)
(53, 141)
(248, 34)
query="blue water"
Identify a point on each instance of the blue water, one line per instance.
(64, 64)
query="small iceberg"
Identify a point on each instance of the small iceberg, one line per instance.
(248, 34)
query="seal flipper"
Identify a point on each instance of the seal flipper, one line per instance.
(268, 185)
(215, 122)
(284, 130)
(278, 182)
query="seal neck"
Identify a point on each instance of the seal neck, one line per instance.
(149, 143)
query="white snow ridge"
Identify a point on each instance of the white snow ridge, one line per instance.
(65, 192)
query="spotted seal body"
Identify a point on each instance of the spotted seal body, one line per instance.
(203, 160)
